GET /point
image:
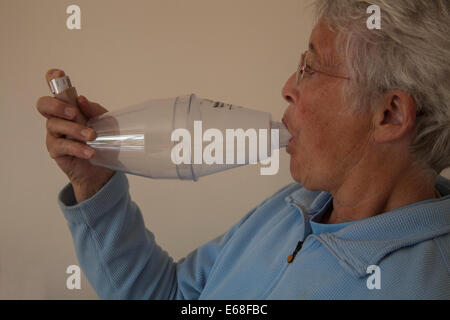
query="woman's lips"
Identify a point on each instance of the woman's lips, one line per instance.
(287, 127)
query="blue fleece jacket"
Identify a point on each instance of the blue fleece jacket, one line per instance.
(402, 254)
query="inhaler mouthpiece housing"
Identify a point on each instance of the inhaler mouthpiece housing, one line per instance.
(140, 138)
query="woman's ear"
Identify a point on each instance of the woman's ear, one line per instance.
(395, 117)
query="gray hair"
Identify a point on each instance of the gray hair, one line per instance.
(411, 52)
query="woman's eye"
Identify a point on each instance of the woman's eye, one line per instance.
(309, 70)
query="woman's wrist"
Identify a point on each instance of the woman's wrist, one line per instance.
(87, 189)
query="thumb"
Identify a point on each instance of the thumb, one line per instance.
(90, 109)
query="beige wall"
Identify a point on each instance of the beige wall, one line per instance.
(236, 51)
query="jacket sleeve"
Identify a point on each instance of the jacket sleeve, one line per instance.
(120, 257)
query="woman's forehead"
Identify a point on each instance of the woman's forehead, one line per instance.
(322, 47)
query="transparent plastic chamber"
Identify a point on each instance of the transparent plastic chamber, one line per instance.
(139, 139)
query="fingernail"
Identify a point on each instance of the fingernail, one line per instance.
(69, 112)
(86, 133)
(56, 72)
(88, 153)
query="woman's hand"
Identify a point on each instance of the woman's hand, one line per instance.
(72, 155)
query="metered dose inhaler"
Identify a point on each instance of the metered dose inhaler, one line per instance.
(185, 138)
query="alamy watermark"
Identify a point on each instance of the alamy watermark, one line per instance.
(374, 21)
(74, 20)
(74, 280)
(259, 148)
(374, 280)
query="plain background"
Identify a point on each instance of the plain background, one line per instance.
(234, 51)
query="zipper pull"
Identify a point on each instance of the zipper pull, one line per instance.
(297, 249)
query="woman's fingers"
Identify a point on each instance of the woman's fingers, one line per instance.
(52, 107)
(60, 147)
(59, 127)
(54, 73)
(89, 108)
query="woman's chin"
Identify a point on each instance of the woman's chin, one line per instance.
(294, 169)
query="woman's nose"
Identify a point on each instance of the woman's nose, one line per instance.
(288, 91)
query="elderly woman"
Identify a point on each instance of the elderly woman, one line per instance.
(369, 216)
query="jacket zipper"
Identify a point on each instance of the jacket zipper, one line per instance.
(291, 257)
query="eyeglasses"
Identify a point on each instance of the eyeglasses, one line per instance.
(304, 68)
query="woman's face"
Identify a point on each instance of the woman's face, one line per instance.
(327, 139)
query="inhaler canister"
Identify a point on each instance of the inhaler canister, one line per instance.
(62, 89)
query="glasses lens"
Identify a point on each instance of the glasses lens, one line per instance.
(301, 68)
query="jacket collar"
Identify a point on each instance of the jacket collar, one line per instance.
(366, 242)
